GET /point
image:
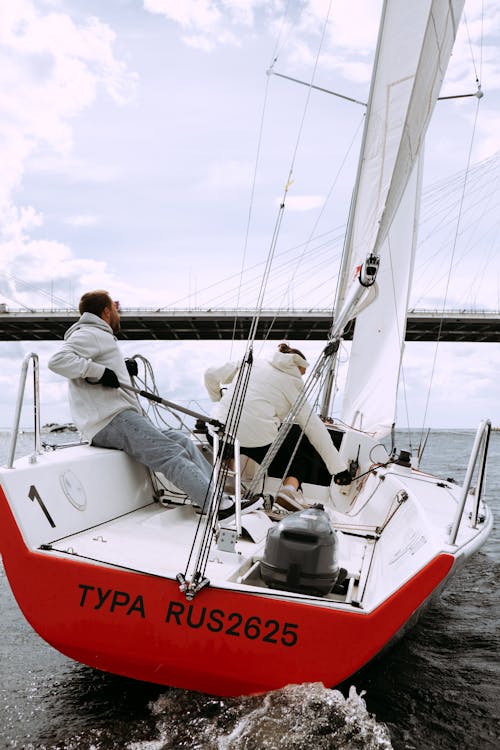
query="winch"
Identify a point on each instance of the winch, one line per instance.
(301, 553)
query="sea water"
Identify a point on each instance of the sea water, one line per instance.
(436, 689)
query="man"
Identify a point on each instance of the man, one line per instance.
(110, 417)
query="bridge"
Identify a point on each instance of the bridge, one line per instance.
(291, 325)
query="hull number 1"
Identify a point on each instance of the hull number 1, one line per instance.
(33, 495)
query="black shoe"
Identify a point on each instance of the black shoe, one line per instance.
(229, 514)
(343, 478)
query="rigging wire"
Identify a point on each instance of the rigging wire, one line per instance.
(462, 198)
(325, 203)
(288, 184)
(250, 208)
(389, 256)
(287, 424)
(243, 375)
(257, 160)
(473, 61)
(280, 44)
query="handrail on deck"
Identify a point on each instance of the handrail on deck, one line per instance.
(479, 451)
(19, 404)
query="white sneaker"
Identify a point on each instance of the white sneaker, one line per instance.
(229, 514)
(290, 499)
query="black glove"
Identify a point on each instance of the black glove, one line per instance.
(343, 478)
(109, 379)
(132, 368)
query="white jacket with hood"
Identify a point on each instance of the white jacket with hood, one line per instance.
(89, 348)
(273, 388)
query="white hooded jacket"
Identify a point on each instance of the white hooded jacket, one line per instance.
(273, 388)
(89, 348)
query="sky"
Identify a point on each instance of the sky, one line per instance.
(145, 149)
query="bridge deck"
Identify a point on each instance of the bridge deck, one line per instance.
(293, 325)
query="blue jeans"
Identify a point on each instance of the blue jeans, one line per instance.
(169, 451)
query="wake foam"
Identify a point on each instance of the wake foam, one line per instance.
(297, 717)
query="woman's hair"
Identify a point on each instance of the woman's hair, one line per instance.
(285, 349)
(95, 302)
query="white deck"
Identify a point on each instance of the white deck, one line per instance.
(156, 540)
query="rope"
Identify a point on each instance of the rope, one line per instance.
(309, 240)
(250, 208)
(481, 44)
(288, 182)
(400, 342)
(257, 159)
(220, 472)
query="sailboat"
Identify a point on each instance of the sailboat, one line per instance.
(116, 574)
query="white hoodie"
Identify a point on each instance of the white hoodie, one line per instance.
(89, 348)
(273, 388)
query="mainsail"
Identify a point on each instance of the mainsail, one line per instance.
(413, 50)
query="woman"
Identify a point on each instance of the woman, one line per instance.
(273, 389)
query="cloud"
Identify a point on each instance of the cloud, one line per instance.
(30, 264)
(304, 202)
(56, 66)
(455, 383)
(51, 70)
(73, 169)
(197, 14)
(475, 52)
(83, 220)
(227, 175)
(208, 23)
(349, 39)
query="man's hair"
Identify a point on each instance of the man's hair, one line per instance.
(95, 302)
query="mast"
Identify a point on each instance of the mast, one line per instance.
(346, 261)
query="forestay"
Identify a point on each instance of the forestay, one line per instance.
(413, 50)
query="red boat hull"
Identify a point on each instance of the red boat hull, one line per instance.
(223, 643)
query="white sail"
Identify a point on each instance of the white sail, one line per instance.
(370, 395)
(413, 51)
